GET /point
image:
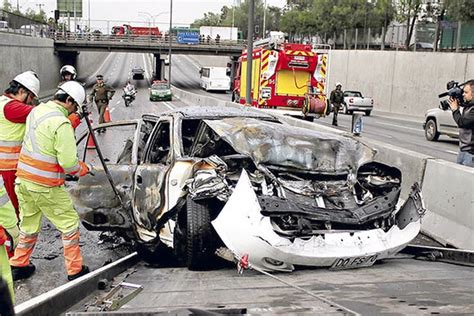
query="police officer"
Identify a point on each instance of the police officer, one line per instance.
(336, 98)
(101, 93)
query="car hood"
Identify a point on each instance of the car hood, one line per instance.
(276, 144)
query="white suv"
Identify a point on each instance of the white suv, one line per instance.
(439, 122)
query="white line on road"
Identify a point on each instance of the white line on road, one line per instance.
(118, 102)
(168, 105)
(451, 152)
(401, 127)
(111, 110)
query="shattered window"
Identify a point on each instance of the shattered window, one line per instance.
(160, 146)
(188, 132)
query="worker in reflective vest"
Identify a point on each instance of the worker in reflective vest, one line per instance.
(49, 153)
(15, 106)
(9, 234)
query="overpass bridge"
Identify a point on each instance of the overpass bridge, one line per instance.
(71, 44)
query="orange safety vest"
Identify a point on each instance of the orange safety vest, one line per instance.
(35, 166)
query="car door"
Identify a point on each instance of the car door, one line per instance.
(447, 125)
(149, 190)
(93, 197)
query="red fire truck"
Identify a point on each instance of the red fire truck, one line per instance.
(135, 30)
(285, 76)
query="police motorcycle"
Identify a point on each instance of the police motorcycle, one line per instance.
(129, 94)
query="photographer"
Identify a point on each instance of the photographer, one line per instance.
(463, 115)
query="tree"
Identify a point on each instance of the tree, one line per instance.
(408, 12)
(460, 10)
(7, 6)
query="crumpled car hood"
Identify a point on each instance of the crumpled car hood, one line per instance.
(270, 143)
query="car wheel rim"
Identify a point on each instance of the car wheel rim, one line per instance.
(430, 130)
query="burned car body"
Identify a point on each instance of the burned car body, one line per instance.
(199, 178)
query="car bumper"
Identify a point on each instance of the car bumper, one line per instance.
(160, 98)
(360, 107)
(244, 230)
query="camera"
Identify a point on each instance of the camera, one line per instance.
(455, 90)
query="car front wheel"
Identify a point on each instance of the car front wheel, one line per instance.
(431, 130)
(200, 243)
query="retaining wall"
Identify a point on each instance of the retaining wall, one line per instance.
(447, 188)
(400, 82)
(20, 53)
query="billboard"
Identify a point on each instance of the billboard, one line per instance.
(65, 6)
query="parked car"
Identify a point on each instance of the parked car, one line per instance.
(3, 26)
(354, 101)
(138, 73)
(160, 91)
(439, 122)
(201, 178)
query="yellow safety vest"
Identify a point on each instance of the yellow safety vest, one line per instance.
(38, 162)
(11, 137)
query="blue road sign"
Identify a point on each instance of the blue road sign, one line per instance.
(188, 38)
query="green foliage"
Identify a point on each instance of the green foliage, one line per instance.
(460, 10)
(7, 6)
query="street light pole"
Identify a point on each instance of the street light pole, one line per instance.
(169, 50)
(264, 17)
(250, 29)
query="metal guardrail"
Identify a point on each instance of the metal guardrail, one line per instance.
(162, 39)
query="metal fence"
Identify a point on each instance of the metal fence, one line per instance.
(453, 36)
(19, 24)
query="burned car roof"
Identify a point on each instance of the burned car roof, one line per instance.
(216, 111)
(290, 146)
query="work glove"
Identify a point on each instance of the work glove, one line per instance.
(85, 169)
(13, 235)
(75, 119)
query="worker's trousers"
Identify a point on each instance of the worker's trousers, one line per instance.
(5, 271)
(54, 203)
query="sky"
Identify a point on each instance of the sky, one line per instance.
(138, 11)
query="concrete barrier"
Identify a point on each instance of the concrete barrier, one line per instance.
(447, 187)
(448, 190)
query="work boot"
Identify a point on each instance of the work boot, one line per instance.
(84, 271)
(25, 272)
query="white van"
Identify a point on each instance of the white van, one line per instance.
(214, 78)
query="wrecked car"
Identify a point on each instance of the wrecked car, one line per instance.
(201, 178)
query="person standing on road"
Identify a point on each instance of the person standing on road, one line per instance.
(336, 98)
(15, 105)
(9, 233)
(49, 153)
(102, 94)
(463, 115)
(69, 73)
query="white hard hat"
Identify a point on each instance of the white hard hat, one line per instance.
(70, 69)
(75, 90)
(338, 84)
(30, 81)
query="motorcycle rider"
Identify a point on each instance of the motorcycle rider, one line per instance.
(67, 73)
(129, 89)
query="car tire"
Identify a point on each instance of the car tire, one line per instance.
(431, 130)
(200, 235)
(367, 113)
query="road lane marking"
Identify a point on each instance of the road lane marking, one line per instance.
(146, 69)
(452, 152)
(118, 102)
(169, 106)
(402, 127)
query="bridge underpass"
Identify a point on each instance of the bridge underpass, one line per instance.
(69, 47)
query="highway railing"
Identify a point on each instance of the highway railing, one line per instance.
(143, 39)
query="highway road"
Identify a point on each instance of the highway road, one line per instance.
(392, 129)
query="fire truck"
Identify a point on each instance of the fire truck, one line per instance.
(135, 30)
(285, 76)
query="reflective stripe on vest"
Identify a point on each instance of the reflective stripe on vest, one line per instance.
(35, 166)
(3, 196)
(11, 136)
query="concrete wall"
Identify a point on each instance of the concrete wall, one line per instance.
(20, 53)
(399, 82)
